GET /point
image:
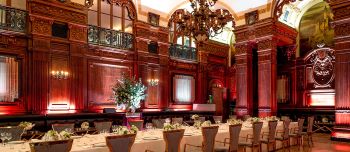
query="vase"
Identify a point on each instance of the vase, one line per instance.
(121, 107)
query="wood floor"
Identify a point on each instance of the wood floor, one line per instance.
(322, 143)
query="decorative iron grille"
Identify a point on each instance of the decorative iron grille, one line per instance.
(13, 19)
(110, 38)
(183, 52)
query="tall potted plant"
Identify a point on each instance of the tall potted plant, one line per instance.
(129, 92)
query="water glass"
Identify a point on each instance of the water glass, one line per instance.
(3, 138)
(149, 126)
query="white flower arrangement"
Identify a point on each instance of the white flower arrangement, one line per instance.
(168, 126)
(26, 125)
(123, 130)
(197, 124)
(206, 124)
(195, 117)
(133, 129)
(65, 135)
(271, 118)
(53, 135)
(253, 119)
(85, 125)
(234, 121)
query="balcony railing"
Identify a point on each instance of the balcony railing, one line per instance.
(110, 38)
(183, 52)
(13, 19)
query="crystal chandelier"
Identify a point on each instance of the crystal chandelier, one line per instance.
(202, 22)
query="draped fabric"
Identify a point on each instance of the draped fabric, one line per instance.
(282, 89)
(183, 88)
(8, 79)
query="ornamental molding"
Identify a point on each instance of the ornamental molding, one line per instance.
(41, 25)
(322, 62)
(57, 12)
(78, 33)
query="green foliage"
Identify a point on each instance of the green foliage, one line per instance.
(129, 92)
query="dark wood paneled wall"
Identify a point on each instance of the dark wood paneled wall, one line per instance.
(94, 69)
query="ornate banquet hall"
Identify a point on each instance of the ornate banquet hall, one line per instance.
(174, 75)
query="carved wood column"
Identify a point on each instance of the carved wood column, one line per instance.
(201, 89)
(341, 11)
(244, 85)
(40, 62)
(267, 75)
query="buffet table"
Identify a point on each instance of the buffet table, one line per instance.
(149, 140)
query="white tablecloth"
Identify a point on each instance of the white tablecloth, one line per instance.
(96, 143)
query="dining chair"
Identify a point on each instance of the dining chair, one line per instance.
(137, 123)
(209, 134)
(173, 139)
(217, 118)
(158, 123)
(120, 143)
(296, 132)
(63, 126)
(308, 133)
(284, 118)
(202, 119)
(283, 135)
(16, 132)
(271, 138)
(253, 140)
(245, 117)
(177, 120)
(233, 116)
(234, 131)
(102, 126)
(51, 146)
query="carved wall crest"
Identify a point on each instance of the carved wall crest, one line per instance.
(322, 61)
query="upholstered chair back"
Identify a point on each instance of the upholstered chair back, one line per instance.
(103, 126)
(272, 130)
(286, 129)
(173, 139)
(158, 123)
(63, 126)
(234, 136)
(16, 132)
(300, 125)
(177, 120)
(209, 134)
(256, 132)
(310, 123)
(217, 118)
(121, 143)
(137, 123)
(52, 146)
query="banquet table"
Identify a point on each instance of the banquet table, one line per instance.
(150, 140)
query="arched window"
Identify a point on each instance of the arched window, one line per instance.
(176, 37)
(113, 14)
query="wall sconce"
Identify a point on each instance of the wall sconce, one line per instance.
(60, 74)
(153, 82)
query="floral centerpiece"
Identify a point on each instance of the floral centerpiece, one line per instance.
(26, 125)
(123, 130)
(85, 125)
(53, 135)
(168, 126)
(253, 119)
(206, 124)
(195, 117)
(271, 118)
(129, 92)
(234, 121)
